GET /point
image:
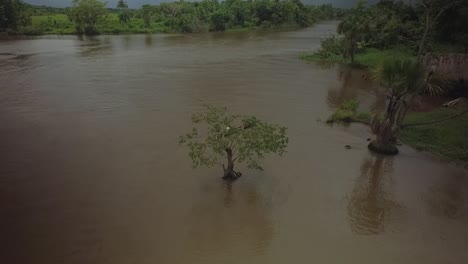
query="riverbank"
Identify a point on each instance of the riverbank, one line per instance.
(59, 24)
(447, 139)
(367, 58)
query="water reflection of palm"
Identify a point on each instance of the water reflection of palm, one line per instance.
(370, 207)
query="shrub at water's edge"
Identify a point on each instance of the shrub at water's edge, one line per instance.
(348, 112)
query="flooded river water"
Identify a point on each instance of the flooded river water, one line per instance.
(91, 171)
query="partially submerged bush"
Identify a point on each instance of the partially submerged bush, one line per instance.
(348, 112)
(332, 46)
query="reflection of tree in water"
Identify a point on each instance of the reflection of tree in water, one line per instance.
(230, 222)
(353, 82)
(370, 206)
(449, 196)
(148, 40)
(95, 45)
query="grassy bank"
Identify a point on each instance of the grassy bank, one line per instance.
(369, 58)
(448, 138)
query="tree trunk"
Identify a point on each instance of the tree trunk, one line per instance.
(384, 141)
(229, 173)
(353, 49)
(423, 39)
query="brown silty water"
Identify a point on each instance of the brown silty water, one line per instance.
(91, 171)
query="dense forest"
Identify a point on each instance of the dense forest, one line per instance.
(92, 16)
(399, 28)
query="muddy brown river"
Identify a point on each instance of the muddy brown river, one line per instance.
(91, 172)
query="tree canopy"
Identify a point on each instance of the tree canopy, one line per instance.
(13, 14)
(86, 14)
(353, 27)
(124, 14)
(218, 135)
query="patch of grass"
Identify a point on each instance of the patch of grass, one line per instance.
(51, 24)
(348, 112)
(449, 138)
(372, 57)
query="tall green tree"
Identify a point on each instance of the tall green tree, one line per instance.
(235, 138)
(124, 14)
(354, 27)
(13, 14)
(86, 14)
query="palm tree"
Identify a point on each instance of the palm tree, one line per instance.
(404, 79)
(354, 27)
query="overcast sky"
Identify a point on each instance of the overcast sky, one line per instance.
(139, 3)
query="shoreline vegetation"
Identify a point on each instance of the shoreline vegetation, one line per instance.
(442, 135)
(92, 17)
(390, 39)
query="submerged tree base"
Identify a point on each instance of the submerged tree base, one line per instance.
(231, 175)
(383, 148)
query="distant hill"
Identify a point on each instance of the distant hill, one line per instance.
(139, 3)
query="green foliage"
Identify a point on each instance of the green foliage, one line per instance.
(331, 47)
(370, 34)
(57, 24)
(348, 112)
(392, 24)
(400, 76)
(246, 137)
(182, 16)
(13, 15)
(447, 138)
(372, 57)
(368, 57)
(87, 14)
(124, 13)
(354, 27)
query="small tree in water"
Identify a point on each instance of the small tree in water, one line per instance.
(235, 138)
